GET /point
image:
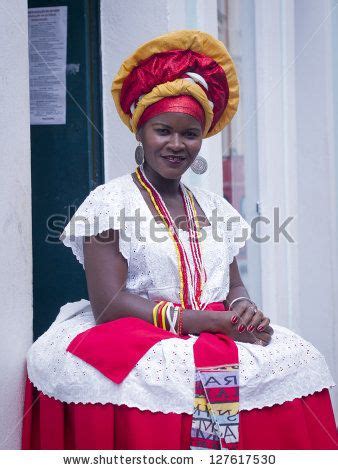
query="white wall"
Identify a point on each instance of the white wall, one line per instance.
(277, 157)
(296, 168)
(317, 236)
(15, 218)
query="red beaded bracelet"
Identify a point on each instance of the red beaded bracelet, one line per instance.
(159, 316)
(180, 323)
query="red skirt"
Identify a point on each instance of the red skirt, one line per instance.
(304, 423)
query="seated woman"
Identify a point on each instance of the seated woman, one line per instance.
(170, 352)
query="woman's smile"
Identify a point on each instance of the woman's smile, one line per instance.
(174, 159)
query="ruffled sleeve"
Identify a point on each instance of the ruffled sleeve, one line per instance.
(104, 208)
(228, 226)
(235, 230)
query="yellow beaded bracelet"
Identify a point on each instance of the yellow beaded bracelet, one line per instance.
(155, 309)
(164, 314)
(155, 313)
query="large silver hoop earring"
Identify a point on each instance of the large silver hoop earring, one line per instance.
(199, 165)
(139, 154)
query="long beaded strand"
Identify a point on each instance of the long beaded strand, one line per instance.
(196, 279)
(189, 291)
(193, 236)
(181, 270)
(195, 244)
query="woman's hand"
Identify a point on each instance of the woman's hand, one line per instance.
(247, 316)
(261, 338)
(229, 323)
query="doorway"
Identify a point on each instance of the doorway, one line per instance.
(67, 162)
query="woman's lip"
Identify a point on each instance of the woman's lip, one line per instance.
(173, 156)
(177, 161)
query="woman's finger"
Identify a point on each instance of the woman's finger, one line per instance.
(256, 320)
(260, 342)
(265, 337)
(239, 310)
(246, 317)
(240, 307)
(269, 330)
(263, 324)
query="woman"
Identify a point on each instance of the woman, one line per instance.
(170, 346)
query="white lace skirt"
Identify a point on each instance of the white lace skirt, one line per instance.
(164, 378)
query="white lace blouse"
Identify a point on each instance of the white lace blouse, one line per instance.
(149, 251)
(163, 380)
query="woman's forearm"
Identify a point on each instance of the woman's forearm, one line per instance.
(125, 304)
(236, 291)
(237, 288)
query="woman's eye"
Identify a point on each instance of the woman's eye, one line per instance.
(189, 134)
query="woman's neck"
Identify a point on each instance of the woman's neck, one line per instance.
(165, 186)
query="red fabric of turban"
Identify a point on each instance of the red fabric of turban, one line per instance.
(174, 104)
(168, 66)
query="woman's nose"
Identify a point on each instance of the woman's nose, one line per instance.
(176, 142)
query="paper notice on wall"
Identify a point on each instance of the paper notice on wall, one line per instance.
(47, 29)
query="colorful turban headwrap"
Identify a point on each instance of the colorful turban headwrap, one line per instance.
(185, 71)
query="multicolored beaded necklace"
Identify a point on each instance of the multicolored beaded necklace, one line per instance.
(192, 278)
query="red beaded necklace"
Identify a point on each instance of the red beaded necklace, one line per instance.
(192, 278)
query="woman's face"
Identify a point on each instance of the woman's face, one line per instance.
(171, 142)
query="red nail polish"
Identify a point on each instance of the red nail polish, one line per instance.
(241, 328)
(234, 319)
(260, 328)
(251, 327)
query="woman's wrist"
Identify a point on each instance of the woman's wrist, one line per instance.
(239, 299)
(234, 293)
(197, 321)
(191, 323)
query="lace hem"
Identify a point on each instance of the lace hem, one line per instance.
(287, 400)
(180, 410)
(129, 403)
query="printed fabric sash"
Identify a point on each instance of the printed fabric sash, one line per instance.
(215, 421)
